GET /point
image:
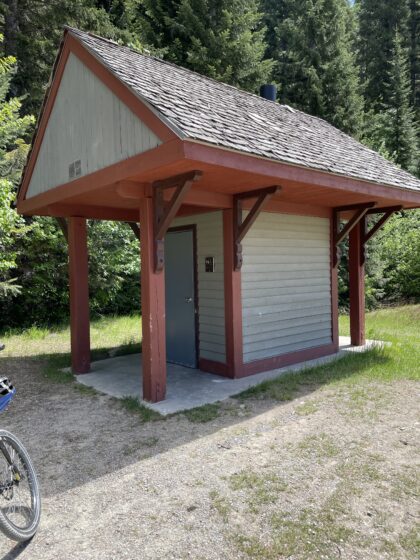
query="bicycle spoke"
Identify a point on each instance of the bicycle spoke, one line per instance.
(16, 500)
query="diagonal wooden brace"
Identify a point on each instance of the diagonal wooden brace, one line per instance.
(387, 213)
(241, 228)
(164, 212)
(360, 210)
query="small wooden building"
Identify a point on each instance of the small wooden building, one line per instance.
(241, 204)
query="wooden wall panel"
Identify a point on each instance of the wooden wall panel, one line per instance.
(88, 123)
(286, 285)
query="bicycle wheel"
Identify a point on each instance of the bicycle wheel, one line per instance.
(20, 501)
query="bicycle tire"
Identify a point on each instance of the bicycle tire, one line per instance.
(11, 530)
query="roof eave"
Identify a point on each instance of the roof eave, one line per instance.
(276, 168)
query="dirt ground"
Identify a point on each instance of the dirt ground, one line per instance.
(330, 474)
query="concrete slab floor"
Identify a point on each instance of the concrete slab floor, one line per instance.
(188, 388)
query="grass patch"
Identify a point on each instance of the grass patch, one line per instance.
(115, 335)
(361, 468)
(306, 408)
(383, 365)
(398, 361)
(261, 489)
(203, 414)
(220, 504)
(86, 390)
(309, 535)
(132, 404)
(393, 324)
(410, 541)
(321, 446)
(141, 444)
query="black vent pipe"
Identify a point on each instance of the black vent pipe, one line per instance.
(268, 91)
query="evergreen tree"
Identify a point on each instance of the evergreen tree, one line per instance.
(378, 21)
(310, 41)
(33, 29)
(13, 150)
(415, 54)
(222, 39)
(402, 142)
(152, 21)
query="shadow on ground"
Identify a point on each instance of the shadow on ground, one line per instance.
(75, 436)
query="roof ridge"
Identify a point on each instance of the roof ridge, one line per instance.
(178, 67)
(209, 79)
(200, 113)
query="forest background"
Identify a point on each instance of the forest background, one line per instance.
(355, 64)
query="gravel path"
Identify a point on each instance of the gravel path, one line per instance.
(330, 474)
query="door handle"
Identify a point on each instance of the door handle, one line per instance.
(188, 299)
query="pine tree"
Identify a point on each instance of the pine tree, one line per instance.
(414, 23)
(378, 20)
(402, 134)
(13, 150)
(33, 29)
(310, 41)
(222, 39)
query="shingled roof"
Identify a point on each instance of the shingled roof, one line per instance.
(198, 108)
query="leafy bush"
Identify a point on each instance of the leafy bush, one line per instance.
(42, 269)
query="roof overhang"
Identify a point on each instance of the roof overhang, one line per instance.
(225, 172)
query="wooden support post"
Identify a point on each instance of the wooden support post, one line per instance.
(356, 229)
(357, 283)
(233, 299)
(334, 283)
(79, 295)
(153, 310)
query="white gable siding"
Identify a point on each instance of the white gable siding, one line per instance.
(87, 123)
(286, 285)
(211, 303)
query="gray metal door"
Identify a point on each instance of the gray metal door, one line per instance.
(180, 298)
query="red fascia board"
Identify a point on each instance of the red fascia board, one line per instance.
(220, 156)
(165, 154)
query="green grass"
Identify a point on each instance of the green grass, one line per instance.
(115, 335)
(261, 489)
(220, 504)
(320, 446)
(134, 405)
(392, 324)
(307, 408)
(112, 336)
(399, 360)
(203, 414)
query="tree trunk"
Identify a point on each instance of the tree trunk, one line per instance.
(11, 27)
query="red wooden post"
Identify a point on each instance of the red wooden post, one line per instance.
(357, 284)
(334, 283)
(233, 300)
(79, 295)
(153, 311)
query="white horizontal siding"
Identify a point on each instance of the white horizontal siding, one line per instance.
(286, 285)
(87, 123)
(211, 301)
